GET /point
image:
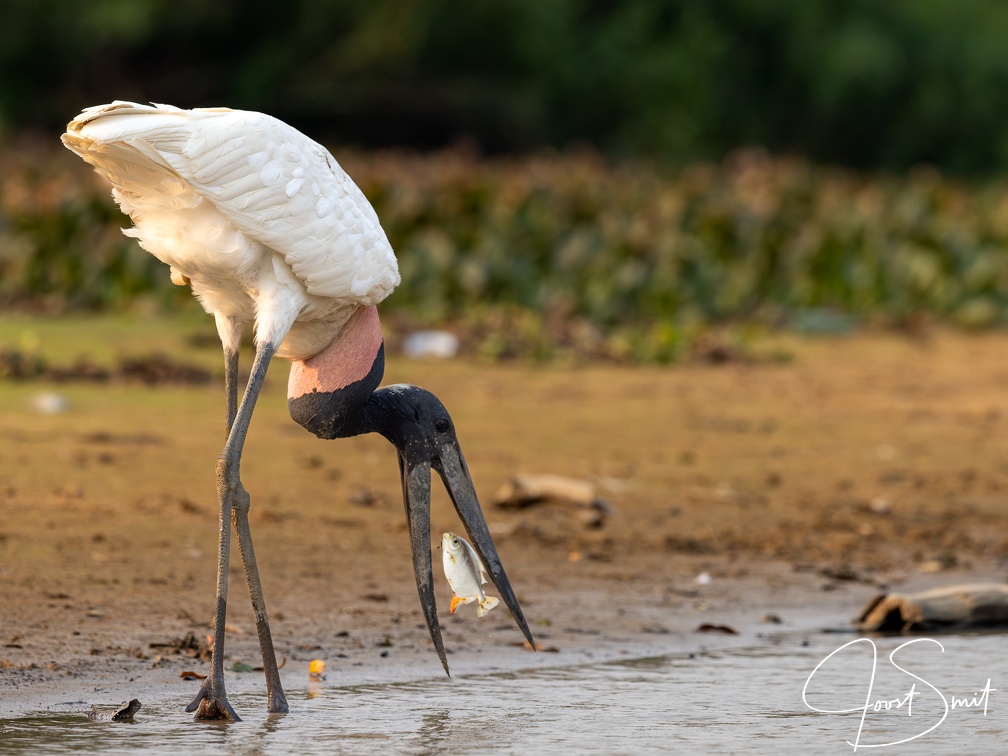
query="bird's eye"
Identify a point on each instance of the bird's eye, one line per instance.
(441, 425)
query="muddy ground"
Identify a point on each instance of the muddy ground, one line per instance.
(798, 486)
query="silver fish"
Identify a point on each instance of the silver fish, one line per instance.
(466, 574)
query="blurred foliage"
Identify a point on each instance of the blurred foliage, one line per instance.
(574, 254)
(60, 241)
(853, 82)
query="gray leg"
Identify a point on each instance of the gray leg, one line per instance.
(211, 701)
(274, 689)
(231, 385)
(212, 698)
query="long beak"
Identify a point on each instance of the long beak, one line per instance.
(416, 495)
(452, 468)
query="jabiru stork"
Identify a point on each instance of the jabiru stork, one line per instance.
(268, 230)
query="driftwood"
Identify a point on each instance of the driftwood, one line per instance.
(959, 607)
(529, 490)
(123, 713)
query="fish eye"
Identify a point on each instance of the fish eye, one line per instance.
(441, 425)
(455, 541)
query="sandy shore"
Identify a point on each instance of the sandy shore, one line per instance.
(799, 488)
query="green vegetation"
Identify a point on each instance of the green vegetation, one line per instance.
(627, 205)
(575, 255)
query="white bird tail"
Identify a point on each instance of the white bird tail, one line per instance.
(116, 139)
(248, 175)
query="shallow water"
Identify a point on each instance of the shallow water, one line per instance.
(737, 700)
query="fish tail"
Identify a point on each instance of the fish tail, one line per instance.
(486, 605)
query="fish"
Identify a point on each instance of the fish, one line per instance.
(466, 574)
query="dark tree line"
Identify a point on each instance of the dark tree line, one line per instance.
(857, 82)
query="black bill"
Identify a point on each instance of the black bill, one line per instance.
(451, 466)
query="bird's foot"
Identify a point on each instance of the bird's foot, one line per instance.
(211, 703)
(278, 703)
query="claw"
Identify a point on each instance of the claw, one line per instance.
(210, 706)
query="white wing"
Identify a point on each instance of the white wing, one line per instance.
(272, 182)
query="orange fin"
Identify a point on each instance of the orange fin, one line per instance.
(454, 604)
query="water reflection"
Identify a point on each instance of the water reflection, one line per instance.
(435, 732)
(273, 723)
(740, 700)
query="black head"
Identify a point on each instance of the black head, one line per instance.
(421, 429)
(414, 420)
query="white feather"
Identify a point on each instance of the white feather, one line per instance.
(259, 219)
